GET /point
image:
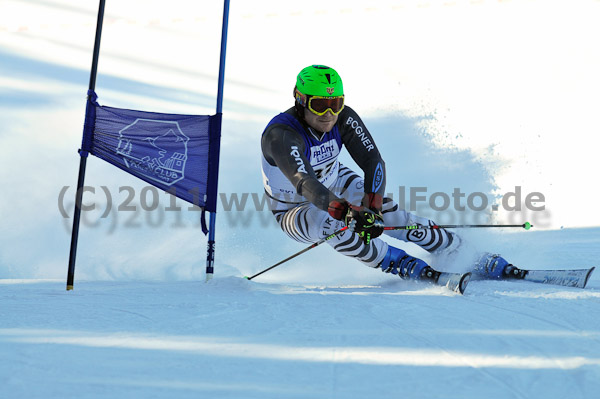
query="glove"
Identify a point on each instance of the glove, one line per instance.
(364, 222)
(359, 219)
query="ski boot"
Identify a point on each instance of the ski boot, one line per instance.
(397, 261)
(494, 267)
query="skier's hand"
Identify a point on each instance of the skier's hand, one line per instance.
(364, 222)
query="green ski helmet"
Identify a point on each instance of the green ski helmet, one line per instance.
(319, 80)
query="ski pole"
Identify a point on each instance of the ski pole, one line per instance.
(316, 244)
(525, 225)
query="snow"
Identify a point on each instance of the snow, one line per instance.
(480, 95)
(237, 338)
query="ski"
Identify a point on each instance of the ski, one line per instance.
(456, 282)
(494, 267)
(568, 278)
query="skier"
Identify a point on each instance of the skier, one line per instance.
(314, 195)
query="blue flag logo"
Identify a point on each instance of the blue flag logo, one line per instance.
(160, 156)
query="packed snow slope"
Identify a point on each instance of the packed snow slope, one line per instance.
(233, 338)
(488, 97)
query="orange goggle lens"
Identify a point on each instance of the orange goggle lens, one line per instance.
(320, 105)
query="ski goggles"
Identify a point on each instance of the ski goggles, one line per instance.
(320, 105)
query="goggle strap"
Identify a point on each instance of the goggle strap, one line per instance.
(300, 98)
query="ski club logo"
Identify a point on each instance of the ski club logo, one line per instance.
(330, 90)
(159, 156)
